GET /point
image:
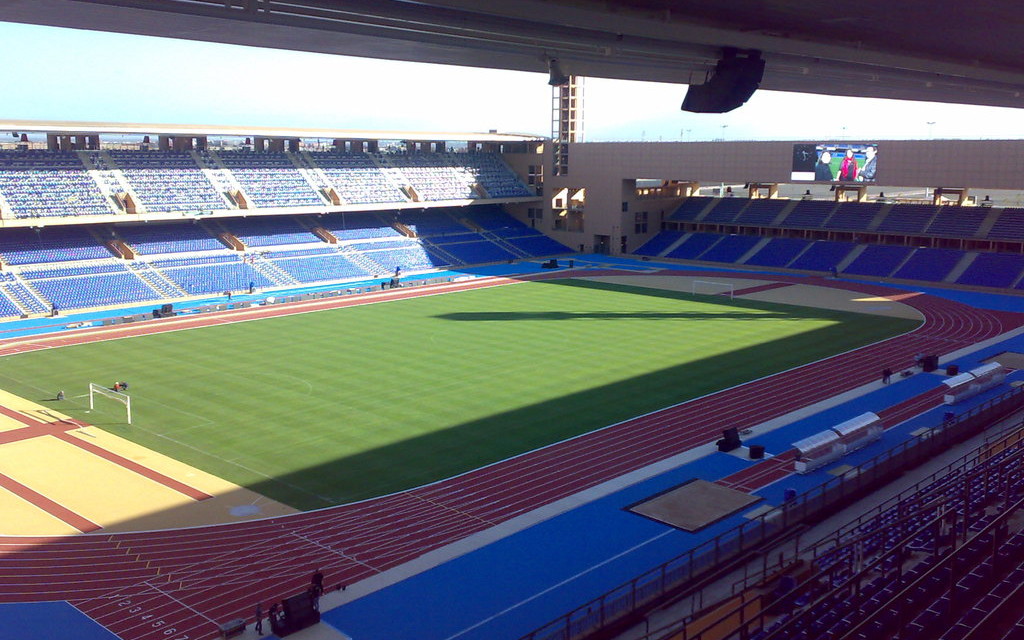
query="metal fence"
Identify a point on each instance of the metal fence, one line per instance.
(670, 578)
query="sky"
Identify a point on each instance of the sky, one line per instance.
(69, 74)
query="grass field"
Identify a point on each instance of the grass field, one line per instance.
(333, 406)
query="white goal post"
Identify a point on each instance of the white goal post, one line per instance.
(123, 398)
(711, 288)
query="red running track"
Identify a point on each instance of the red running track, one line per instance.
(175, 584)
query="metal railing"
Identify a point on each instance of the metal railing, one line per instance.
(672, 577)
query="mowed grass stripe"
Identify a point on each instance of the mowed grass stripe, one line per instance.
(338, 405)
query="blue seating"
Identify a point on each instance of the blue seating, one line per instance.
(730, 249)
(217, 277)
(957, 222)
(168, 181)
(354, 226)
(451, 176)
(779, 252)
(8, 308)
(49, 244)
(694, 246)
(932, 265)
(539, 245)
(433, 222)
(357, 178)
(761, 212)
(822, 255)
(908, 218)
(659, 243)
(726, 210)
(853, 216)
(993, 270)
(1009, 225)
(316, 268)
(270, 179)
(157, 238)
(878, 260)
(49, 183)
(410, 257)
(690, 209)
(269, 231)
(475, 251)
(79, 292)
(809, 214)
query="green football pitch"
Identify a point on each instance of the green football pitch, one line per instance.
(328, 407)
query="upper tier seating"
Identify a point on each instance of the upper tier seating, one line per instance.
(450, 176)
(932, 265)
(823, 255)
(878, 260)
(168, 181)
(157, 238)
(957, 222)
(809, 214)
(690, 209)
(659, 243)
(993, 270)
(853, 216)
(908, 218)
(49, 244)
(270, 231)
(49, 183)
(725, 210)
(354, 226)
(357, 178)
(761, 212)
(779, 252)
(270, 179)
(1009, 225)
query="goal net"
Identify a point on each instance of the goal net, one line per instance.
(711, 288)
(100, 390)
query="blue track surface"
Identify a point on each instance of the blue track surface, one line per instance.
(48, 621)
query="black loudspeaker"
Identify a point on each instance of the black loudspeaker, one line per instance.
(952, 370)
(734, 80)
(930, 363)
(730, 440)
(167, 310)
(756, 451)
(158, 313)
(299, 612)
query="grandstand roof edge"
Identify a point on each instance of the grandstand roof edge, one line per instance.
(84, 128)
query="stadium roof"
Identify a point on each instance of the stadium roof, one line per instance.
(944, 51)
(84, 128)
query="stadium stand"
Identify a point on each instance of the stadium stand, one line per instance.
(318, 267)
(694, 246)
(356, 226)
(434, 222)
(730, 249)
(49, 183)
(690, 209)
(153, 239)
(957, 222)
(761, 213)
(168, 181)
(270, 179)
(878, 260)
(659, 243)
(357, 178)
(1009, 225)
(49, 244)
(726, 210)
(452, 176)
(809, 214)
(779, 252)
(853, 216)
(78, 292)
(267, 232)
(931, 265)
(908, 218)
(823, 255)
(993, 270)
